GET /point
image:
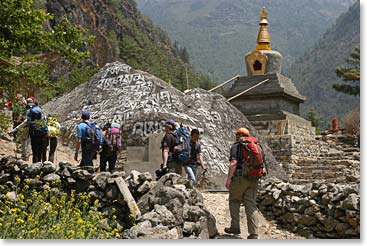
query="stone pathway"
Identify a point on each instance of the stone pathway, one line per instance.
(217, 204)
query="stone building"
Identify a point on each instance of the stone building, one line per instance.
(272, 103)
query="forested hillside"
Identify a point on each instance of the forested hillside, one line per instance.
(121, 33)
(218, 33)
(314, 73)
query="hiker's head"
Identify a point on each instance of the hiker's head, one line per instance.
(169, 125)
(194, 135)
(85, 115)
(241, 132)
(29, 100)
(106, 126)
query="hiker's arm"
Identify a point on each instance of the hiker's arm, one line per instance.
(165, 156)
(77, 147)
(79, 135)
(231, 170)
(21, 125)
(201, 160)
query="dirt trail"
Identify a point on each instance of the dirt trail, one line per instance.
(216, 203)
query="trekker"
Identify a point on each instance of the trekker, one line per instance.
(53, 133)
(167, 145)
(87, 156)
(195, 158)
(90, 138)
(20, 131)
(38, 133)
(245, 169)
(110, 147)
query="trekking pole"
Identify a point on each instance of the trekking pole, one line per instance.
(56, 156)
(247, 90)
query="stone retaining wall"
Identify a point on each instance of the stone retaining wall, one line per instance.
(315, 210)
(170, 208)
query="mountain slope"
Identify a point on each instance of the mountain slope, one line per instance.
(218, 33)
(123, 34)
(314, 73)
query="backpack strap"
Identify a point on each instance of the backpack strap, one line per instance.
(263, 155)
(240, 157)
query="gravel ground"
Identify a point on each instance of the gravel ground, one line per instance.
(217, 204)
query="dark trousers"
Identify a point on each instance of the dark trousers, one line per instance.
(87, 157)
(53, 145)
(111, 159)
(39, 148)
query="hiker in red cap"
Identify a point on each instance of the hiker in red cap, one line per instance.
(245, 169)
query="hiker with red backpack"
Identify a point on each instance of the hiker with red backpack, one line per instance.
(90, 138)
(110, 147)
(246, 168)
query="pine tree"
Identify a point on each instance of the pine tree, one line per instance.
(312, 115)
(185, 56)
(350, 73)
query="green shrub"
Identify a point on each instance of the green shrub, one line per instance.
(5, 121)
(52, 214)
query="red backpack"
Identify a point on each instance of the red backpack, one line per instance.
(251, 157)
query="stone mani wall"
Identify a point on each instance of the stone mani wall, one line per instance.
(170, 208)
(315, 210)
(142, 102)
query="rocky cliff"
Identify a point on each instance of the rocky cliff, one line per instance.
(141, 102)
(123, 34)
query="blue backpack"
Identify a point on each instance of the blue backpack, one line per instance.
(182, 147)
(94, 137)
(37, 122)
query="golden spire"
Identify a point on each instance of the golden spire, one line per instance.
(263, 38)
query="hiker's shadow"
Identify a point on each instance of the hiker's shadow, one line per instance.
(227, 236)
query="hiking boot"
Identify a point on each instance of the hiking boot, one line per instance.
(230, 230)
(253, 236)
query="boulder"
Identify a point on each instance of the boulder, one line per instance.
(48, 167)
(351, 202)
(145, 187)
(160, 216)
(190, 228)
(51, 177)
(100, 179)
(33, 169)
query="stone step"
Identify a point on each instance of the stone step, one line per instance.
(326, 162)
(350, 155)
(302, 180)
(318, 174)
(352, 149)
(311, 180)
(322, 167)
(331, 155)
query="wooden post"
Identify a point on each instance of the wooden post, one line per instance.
(187, 79)
(124, 189)
(249, 89)
(226, 82)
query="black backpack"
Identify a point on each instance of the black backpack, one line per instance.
(38, 127)
(94, 137)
